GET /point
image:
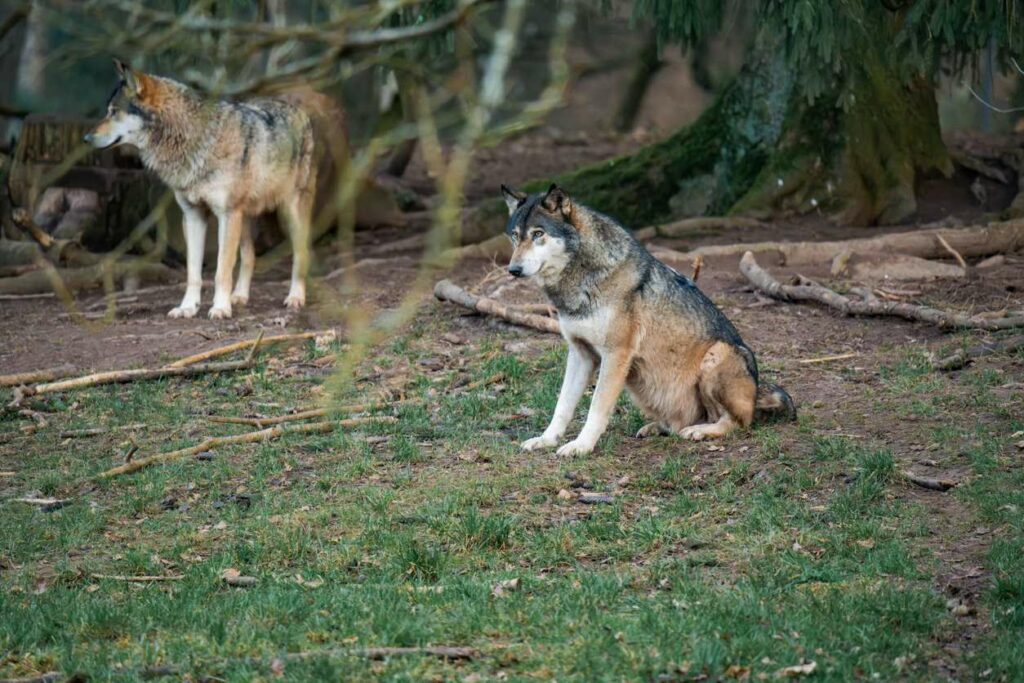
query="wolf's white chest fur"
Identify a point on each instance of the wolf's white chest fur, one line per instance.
(593, 329)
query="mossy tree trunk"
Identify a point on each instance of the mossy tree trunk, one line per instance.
(762, 148)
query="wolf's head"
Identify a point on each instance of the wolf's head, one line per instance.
(542, 231)
(130, 110)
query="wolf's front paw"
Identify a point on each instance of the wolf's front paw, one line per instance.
(695, 433)
(652, 429)
(574, 448)
(538, 443)
(239, 299)
(294, 302)
(220, 312)
(183, 311)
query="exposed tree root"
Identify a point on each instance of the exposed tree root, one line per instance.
(808, 291)
(962, 357)
(446, 290)
(249, 437)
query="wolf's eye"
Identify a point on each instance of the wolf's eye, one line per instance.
(536, 234)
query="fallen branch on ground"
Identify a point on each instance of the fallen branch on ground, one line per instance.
(137, 579)
(962, 357)
(827, 359)
(44, 504)
(925, 482)
(249, 437)
(446, 290)
(764, 282)
(97, 431)
(120, 376)
(995, 238)
(298, 416)
(39, 281)
(35, 376)
(247, 344)
(694, 226)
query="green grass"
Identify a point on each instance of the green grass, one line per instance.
(790, 545)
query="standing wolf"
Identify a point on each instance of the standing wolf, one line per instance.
(648, 327)
(234, 159)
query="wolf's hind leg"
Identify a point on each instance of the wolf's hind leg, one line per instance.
(229, 234)
(246, 265)
(298, 214)
(195, 245)
(727, 390)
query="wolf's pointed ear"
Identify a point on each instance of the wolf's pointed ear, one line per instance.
(557, 201)
(121, 67)
(513, 198)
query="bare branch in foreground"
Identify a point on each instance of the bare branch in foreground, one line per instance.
(446, 290)
(764, 282)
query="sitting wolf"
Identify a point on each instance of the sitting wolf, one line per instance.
(648, 327)
(234, 159)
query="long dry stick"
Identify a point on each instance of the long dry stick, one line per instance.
(249, 437)
(137, 579)
(446, 290)
(34, 376)
(118, 376)
(763, 281)
(248, 343)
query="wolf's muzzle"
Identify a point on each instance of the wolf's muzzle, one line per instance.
(515, 271)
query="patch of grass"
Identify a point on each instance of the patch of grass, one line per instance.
(790, 544)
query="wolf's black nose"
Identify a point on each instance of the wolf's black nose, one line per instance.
(515, 271)
(88, 138)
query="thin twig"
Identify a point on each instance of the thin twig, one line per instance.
(956, 254)
(250, 344)
(249, 437)
(827, 359)
(446, 290)
(137, 579)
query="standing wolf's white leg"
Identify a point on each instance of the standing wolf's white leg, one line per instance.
(579, 369)
(610, 382)
(229, 234)
(298, 213)
(195, 243)
(246, 264)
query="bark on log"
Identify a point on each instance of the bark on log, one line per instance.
(763, 281)
(445, 290)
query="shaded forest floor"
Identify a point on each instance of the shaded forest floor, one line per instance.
(788, 545)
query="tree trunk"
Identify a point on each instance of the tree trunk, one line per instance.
(762, 149)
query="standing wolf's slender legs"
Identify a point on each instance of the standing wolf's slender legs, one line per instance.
(229, 234)
(610, 382)
(195, 245)
(579, 369)
(297, 213)
(247, 263)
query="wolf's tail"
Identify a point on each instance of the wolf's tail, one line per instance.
(773, 403)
